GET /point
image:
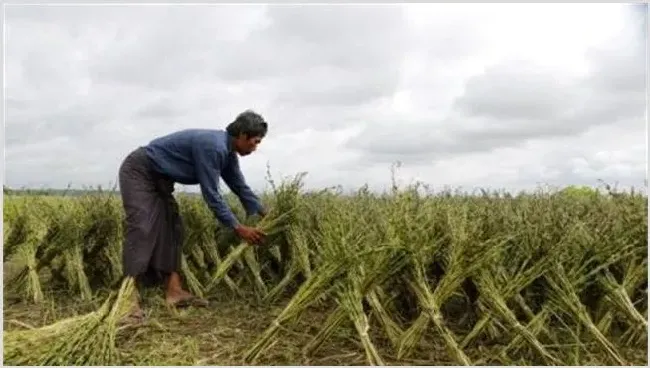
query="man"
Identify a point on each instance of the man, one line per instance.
(154, 233)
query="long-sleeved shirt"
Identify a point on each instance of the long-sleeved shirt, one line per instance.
(201, 156)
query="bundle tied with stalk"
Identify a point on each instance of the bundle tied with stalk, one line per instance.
(87, 339)
(269, 225)
(52, 242)
(23, 246)
(345, 272)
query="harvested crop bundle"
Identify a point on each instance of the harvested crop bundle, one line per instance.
(269, 225)
(81, 340)
(27, 282)
(553, 279)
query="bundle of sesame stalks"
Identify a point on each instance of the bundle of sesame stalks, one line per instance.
(81, 340)
(271, 226)
(483, 279)
(76, 242)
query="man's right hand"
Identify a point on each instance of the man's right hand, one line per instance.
(250, 234)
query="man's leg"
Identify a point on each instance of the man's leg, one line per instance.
(174, 292)
(136, 315)
(142, 280)
(173, 243)
(139, 199)
(175, 295)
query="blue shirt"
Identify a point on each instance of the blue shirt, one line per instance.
(201, 156)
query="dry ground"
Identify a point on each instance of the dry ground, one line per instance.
(217, 335)
(221, 333)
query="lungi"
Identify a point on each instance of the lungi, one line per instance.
(153, 229)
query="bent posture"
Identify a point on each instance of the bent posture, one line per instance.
(154, 232)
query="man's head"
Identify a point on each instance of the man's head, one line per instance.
(247, 131)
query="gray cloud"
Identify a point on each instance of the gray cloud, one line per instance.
(348, 90)
(516, 101)
(518, 91)
(313, 58)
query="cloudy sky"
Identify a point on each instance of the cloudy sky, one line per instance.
(501, 96)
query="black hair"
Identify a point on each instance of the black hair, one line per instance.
(249, 123)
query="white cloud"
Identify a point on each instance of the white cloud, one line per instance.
(478, 95)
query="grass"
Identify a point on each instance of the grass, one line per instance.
(218, 335)
(400, 278)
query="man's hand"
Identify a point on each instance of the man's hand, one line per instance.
(250, 234)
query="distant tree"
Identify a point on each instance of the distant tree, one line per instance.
(579, 191)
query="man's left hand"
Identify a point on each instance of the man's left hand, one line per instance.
(262, 212)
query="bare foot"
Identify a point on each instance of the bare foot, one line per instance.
(135, 317)
(182, 298)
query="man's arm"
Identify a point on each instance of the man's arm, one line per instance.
(208, 172)
(234, 178)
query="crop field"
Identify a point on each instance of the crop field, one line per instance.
(401, 278)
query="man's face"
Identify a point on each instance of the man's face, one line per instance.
(245, 145)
